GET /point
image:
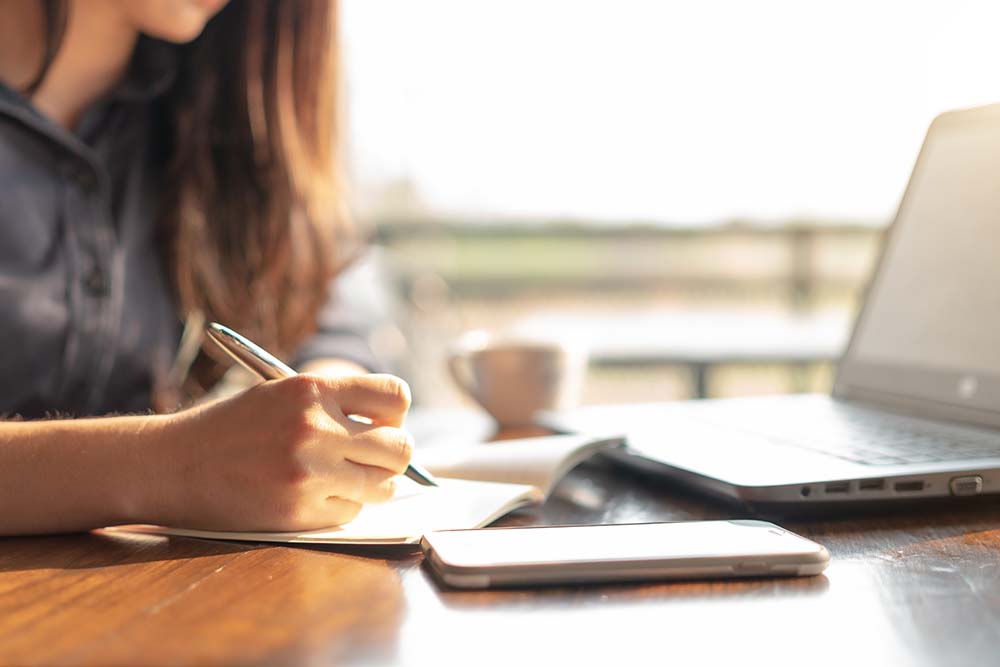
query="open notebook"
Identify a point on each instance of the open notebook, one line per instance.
(479, 484)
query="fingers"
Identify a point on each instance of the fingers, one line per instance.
(336, 511)
(382, 447)
(333, 464)
(346, 489)
(384, 399)
(361, 483)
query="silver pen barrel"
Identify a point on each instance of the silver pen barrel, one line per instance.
(248, 354)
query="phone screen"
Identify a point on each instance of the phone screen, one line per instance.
(621, 542)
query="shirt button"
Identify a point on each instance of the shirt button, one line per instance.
(96, 282)
(86, 179)
(81, 174)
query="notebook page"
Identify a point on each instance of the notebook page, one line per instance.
(539, 462)
(404, 519)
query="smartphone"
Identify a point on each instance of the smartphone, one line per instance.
(547, 555)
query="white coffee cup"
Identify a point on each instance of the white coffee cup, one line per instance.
(515, 377)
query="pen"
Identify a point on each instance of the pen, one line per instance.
(258, 360)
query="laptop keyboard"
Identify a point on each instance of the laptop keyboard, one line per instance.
(868, 437)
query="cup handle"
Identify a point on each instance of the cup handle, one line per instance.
(461, 373)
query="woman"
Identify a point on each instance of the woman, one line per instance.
(164, 162)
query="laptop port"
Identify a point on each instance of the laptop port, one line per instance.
(838, 487)
(871, 484)
(967, 485)
(917, 485)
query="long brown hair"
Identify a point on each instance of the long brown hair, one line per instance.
(254, 207)
(252, 203)
(54, 14)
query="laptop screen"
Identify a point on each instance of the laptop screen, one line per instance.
(930, 328)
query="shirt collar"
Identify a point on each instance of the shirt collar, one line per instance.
(151, 72)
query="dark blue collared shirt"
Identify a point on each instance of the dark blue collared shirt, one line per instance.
(87, 316)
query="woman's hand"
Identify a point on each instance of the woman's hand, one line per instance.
(282, 455)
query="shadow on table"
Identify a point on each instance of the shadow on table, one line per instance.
(387, 552)
(103, 549)
(579, 596)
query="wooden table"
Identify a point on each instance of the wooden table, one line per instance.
(920, 587)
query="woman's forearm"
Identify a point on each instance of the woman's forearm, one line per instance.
(72, 475)
(282, 455)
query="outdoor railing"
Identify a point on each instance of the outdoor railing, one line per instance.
(722, 295)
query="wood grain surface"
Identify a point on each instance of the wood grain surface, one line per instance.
(912, 587)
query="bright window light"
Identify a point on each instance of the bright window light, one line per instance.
(674, 113)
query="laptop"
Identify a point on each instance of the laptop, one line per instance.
(915, 407)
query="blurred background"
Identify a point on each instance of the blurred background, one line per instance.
(693, 190)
